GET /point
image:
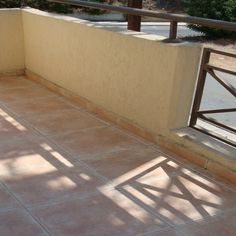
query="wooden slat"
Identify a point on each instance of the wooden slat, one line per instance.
(217, 111)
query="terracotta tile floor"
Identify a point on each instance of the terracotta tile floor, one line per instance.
(65, 172)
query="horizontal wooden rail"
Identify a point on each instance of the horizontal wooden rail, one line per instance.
(212, 67)
(217, 111)
(173, 18)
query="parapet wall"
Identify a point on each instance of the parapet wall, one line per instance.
(136, 76)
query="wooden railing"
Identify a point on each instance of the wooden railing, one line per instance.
(174, 19)
(198, 114)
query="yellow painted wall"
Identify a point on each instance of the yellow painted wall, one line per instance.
(136, 76)
(11, 40)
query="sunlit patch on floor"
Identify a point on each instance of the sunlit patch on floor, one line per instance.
(12, 121)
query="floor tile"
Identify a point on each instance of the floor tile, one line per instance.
(15, 147)
(107, 214)
(132, 165)
(63, 122)
(166, 232)
(36, 106)
(15, 223)
(24, 157)
(6, 200)
(15, 82)
(95, 141)
(23, 94)
(54, 186)
(223, 225)
(180, 199)
(11, 127)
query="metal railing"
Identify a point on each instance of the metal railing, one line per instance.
(197, 113)
(174, 19)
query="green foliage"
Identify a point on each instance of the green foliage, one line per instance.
(169, 4)
(94, 11)
(39, 4)
(214, 9)
(59, 8)
(9, 3)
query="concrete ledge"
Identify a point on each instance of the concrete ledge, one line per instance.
(183, 152)
(195, 147)
(200, 160)
(210, 147)
(208, 153)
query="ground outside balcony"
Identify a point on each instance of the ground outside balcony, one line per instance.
(64, 171)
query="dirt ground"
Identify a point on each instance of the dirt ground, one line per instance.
(220, 60)
(226, 45)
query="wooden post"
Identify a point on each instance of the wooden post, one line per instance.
(173, 29)
(134, 22)
(23, 3)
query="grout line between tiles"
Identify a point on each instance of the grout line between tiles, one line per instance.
(35, 219)
(50, 139)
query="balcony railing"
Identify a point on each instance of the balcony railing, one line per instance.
(227, 131)
(174, 19)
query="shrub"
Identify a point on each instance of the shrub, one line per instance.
(59, 8)
(94, 11)
(9, 3)
(39, 4)
(213, 9)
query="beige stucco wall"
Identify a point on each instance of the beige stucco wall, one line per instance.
(11, 40)
(138, 77)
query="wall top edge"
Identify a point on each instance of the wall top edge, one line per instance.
(10, 9)
(138, 35)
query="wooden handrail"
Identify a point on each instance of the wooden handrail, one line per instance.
(173, 18)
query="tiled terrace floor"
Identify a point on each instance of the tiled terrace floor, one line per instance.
(65, 172)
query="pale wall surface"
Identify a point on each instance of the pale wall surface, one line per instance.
(147, 81)
(11, 40)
